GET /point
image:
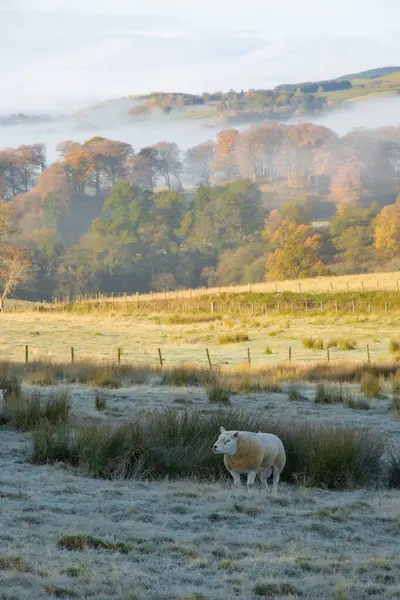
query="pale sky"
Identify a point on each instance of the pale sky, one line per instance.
(287, 17)
(58, 62)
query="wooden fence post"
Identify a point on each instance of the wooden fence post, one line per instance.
(306, 306)
(354, 306)
(209, 359)
(26, 354)
(72, 355)
(119, 356)
(368, 355)
(328, 356)
(331, 287)
(248, 357)
(290, 353)
(160, 357)
(386, 308)
(212, 306)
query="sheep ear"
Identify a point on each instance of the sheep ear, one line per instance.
(222, 429)
(236, 434)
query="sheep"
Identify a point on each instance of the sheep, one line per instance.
(252, 453)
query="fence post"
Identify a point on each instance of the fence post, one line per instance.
(119, 356)
(72, 355)
(386, 308)
(212, 306)
(160, 357)
(336, 306)
(26, 354)
(328, 356)
(331, 287)
(248, 357)
(362, 286)
(209, 359)
(322, 306)
(290, 353)
(306, 306)
(368, 355)
(354, 307)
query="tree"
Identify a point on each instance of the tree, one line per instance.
(346, 186)
(352, 236)
(387, 231)
(296, 255)
(167, 162)
(198, 162)
(14, 259)
(225, 164)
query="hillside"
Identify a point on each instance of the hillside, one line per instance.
(283, 102)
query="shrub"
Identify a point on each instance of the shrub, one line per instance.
(370, 385)
(100, 401)
(217, 393)
(27, 412)
(268, 350)
(180, 445)
(234, 338)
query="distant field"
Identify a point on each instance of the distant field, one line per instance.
(343, 283)
(97, 337)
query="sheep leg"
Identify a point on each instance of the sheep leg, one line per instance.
(236, 478)
(264, 478)
(276, 477)
(251, 476)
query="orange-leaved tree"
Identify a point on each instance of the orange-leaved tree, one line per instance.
(296, 253)
(387, 231)
(14, 259)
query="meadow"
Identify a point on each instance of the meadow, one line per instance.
(108, 485)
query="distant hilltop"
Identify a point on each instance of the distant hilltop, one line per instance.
(23, 119)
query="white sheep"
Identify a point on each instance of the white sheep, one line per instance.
(252, 453)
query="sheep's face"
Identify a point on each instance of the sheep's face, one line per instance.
(226, 443)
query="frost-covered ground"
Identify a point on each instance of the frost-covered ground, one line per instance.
(188, 540)
(127, 402)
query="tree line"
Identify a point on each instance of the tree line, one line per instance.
(243, 208)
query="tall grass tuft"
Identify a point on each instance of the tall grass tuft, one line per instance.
(394, 347)
(10, 382)
(28, 412)
(394, 469)
(370, 385)
(234, 338)
(216, 393)
(100, 401)
(180, 445)
(313, 344)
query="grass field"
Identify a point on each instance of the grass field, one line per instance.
(184, 338)
(64, 534)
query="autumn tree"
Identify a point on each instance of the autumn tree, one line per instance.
(225, 164)
(14, 259)
(346, 185)
(296, 255)
(387, 231)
